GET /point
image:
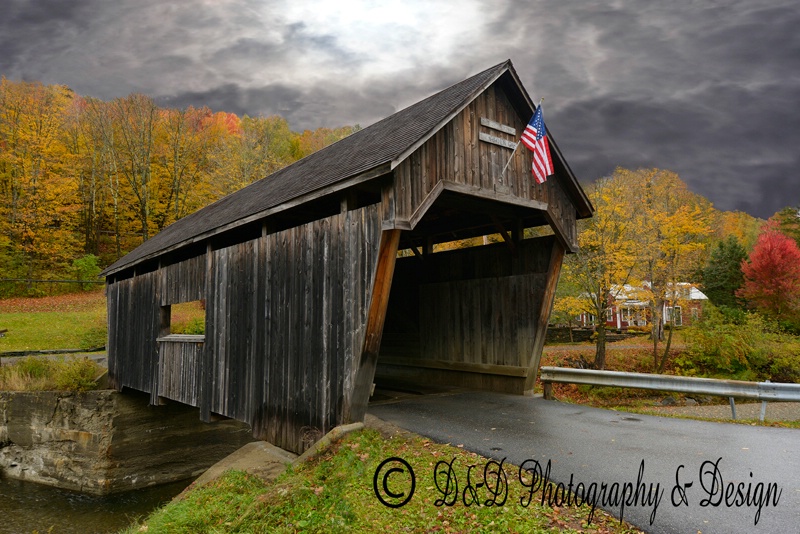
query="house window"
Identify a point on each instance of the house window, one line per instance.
(673, 316)
(609, 315)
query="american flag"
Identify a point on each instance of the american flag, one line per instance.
(535, 138)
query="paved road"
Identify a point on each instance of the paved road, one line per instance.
(602, 446)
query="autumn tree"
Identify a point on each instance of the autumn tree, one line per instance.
(722, 275)
(743, 226)
(788, 220)
(99, 132)
(607, 255)
(183, 144)
(257, 147)
(772, 276)
(83, 178)
(568, 304)
(674, 238)
(135, 118)
(36, 197)
(310, 141)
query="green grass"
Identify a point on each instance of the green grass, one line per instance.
(74, 321)
(334, 493)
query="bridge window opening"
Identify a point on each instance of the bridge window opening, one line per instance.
(187, 318)
(444, 246)
(468, 243)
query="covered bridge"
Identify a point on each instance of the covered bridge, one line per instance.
(327, 271)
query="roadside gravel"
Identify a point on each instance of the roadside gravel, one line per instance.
(776, 411)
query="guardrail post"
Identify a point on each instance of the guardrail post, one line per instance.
(548, 390)
(763, 407)
(733, 407)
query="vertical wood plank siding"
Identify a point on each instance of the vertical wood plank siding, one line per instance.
(469, 308)
(285, 324)
(134, 323)
(456, 154)
(179, 371)
(183, 281)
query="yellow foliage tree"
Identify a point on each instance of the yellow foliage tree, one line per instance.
(674, 239)
(37, 199)
(608, 253)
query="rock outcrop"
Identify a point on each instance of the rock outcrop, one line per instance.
(103, 442)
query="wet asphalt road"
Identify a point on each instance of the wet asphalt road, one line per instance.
(603, 446)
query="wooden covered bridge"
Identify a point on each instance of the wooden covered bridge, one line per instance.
(308, 291)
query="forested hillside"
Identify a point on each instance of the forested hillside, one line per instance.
(83, 181)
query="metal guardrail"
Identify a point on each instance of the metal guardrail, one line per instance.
(763, 391)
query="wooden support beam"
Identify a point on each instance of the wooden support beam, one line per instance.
(518, 231)
(348, 201)
(428, 249)
(207, 358)
(553, 272)
(560, 232)
(467, 367)
(356, 408)
(504, 234)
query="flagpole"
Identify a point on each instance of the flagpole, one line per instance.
(509, 159)
(502, 174)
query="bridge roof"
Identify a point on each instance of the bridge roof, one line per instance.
(367, 154)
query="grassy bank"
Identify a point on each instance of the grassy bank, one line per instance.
(76, 320)
(334, 493)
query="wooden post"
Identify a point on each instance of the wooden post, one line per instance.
(387, 255)
(553, 272)
(207, 357)
(348, 201)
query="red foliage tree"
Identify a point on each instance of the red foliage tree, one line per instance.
(772, 275)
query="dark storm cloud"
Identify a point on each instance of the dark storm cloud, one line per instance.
(707, 90)
(26, 29)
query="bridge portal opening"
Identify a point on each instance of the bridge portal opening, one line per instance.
(468, 295)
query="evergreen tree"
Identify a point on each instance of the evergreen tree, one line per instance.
(722, 275)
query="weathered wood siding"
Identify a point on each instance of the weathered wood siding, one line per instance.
(134, 320)
(183, 281)
(179, 371)
(456, 154)
(285, 324)
(472, 310)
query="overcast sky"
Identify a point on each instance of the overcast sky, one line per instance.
(710, 90)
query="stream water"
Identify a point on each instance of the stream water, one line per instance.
(26, 507)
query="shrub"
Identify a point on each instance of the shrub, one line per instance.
(740, 345)
(86, 268)
(43, 374)
(33, 367)
(785, 368)
(76, 374)
(719, 347)
(196, 327)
